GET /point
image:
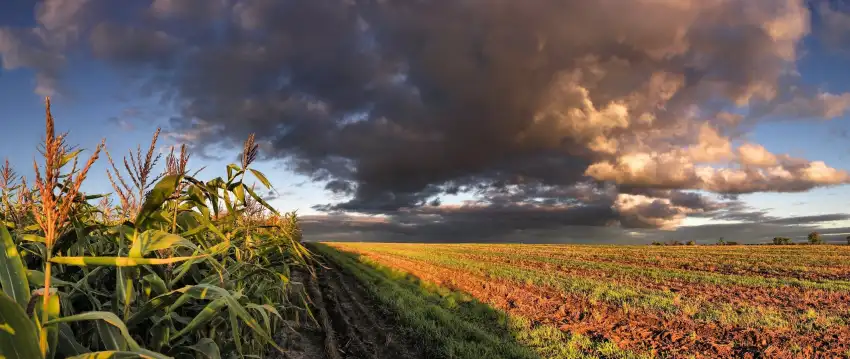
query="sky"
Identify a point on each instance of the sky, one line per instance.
(466, 121)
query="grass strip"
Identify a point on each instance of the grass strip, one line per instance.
(452, 324)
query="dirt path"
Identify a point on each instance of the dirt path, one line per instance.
(351, 323)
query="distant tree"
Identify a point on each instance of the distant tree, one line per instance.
(675, 243)
(848, 240)
(781, 240)
(815, 238)
(656, 243)
(692, 243)
(721, 242)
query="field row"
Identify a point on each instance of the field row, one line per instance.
(804, 262)
(453, 324)
(638, 301)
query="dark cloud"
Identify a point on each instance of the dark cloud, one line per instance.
(549, 113)
(810, 219)
(132, 117)
(131, 45)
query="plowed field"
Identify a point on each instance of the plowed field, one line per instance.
(565, 301)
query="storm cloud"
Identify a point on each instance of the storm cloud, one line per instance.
(549, 113)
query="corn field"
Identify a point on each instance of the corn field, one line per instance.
(167, 265)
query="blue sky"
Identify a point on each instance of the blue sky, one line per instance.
(99, 96)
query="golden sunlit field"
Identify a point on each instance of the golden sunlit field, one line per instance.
(577, 301)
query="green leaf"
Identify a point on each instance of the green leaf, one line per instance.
(241, 312)
(154, 239)
(31, 238)
(68, 157)
(233, 170)
(263, 314)
(71, 237)
(208, 313)
(156, 197)
(260, 200)
(260, 176)
(111, 355)
(159, 336)
(118, 261)
(37, 278)
(151, 306)
(52, 331)
(239, 191)
(18, 335)
(13, 276)
(207, 347)
(110, 336)
(68, 344)
(236, 330)
(96, 196)
(156, 283)
(125, 295)
(114, 321)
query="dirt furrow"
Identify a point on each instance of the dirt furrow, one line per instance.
(363, 331)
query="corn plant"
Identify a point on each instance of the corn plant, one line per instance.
(181, 268)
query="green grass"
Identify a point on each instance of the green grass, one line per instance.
(647, 273)
(625, 286)
(451, 324)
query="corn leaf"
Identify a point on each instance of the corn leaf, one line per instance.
(239, 192)
(18, 335)
(110, 336)
(159, 336)
(156, 283)
(263, 314)
(114, 321)
(111, 355)
(233, 171)
(152, 306)
(31, 238)
(13, 276)
(37, 277)
(235, 330)
(124, 289)
(68, 157)
(241, 312)
(49, 333)
(118, 261)
(207, 347)
(208, 313)
(260, 200)
(156, 197)
(154, 239)
(71, 237)
(260, 176)
(67, 343)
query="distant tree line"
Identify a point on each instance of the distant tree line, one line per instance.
(721, 242)
(812, 238)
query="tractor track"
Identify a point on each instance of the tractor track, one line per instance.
(352, 324)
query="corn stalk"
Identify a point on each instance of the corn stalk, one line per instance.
(184, 266)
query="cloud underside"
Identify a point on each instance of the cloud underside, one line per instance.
(547, 113)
